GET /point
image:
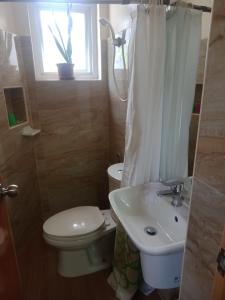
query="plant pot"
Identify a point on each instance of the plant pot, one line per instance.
(65, 71)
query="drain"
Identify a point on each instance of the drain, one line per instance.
(150, 230)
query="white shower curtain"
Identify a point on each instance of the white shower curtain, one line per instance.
(183, 28)
(144, 115)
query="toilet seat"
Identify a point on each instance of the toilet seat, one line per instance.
(75, 237)
(91, 219)
(74, 242)
(74, 222)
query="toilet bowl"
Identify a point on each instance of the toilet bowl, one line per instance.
(84, 237)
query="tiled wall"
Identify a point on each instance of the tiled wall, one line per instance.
(207, 215)
(17, 163)
(72, 150)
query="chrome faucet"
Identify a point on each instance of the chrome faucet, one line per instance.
(176, 188)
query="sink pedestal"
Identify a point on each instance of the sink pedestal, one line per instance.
(162, 271)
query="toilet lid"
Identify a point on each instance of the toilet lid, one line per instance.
(75, 221)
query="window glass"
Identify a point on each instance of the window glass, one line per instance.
(51, 55)
(84, 39)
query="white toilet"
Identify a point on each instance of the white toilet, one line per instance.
(84, 236)
(115, 173)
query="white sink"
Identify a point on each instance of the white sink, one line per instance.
(138, 208)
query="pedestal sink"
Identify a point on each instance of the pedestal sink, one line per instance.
(157, 228)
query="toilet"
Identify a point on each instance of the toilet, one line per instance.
(115, 173)
(84, 235)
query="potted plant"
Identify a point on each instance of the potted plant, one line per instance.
(65, 70)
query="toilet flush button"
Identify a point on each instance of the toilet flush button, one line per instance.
(107, 221)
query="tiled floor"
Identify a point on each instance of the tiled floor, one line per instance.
(41, 281)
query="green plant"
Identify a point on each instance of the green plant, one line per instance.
(66, 51)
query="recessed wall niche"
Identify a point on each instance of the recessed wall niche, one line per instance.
(15, 106)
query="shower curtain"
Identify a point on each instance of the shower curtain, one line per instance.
(144, 115)
(183, 44)
(153, 87)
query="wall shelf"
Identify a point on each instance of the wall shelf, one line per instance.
(30, 132)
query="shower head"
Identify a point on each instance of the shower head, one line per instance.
(105, 22)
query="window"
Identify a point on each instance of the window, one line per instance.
(84, 39)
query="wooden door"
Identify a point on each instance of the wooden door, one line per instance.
(219, 281)
(10, 288)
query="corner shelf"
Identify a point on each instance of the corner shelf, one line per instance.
(30, 132)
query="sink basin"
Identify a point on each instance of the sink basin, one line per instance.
(139, 207)
(157, 228)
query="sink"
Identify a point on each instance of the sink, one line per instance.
(157, 228)
(139, 207)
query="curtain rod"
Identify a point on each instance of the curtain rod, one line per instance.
(124, 2)
(203, 8)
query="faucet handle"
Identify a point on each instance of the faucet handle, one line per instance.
(176, 185)
(173, 182)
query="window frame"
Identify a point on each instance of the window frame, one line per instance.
(92, 36)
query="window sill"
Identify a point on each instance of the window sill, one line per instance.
(77, 77)
(73, 80)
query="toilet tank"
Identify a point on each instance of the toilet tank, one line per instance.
(115, 176)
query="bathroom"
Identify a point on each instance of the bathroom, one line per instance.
(63, 135)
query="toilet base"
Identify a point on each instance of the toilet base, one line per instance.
(74, 264)
(96, 257)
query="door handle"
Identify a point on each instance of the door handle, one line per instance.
(221, 262)
(10, 191)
